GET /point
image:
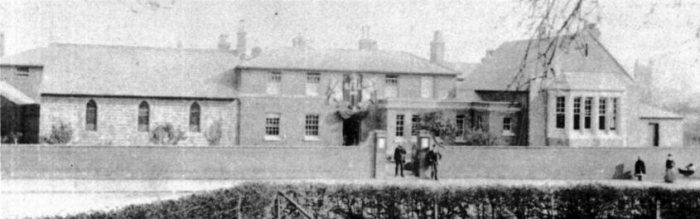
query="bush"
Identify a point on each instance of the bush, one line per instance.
(258, 200)
(166, 134)
(61, 133)
(213, 134)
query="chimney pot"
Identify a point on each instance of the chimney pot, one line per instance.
(224, 45)
(241, 44)
(437, 48)
(365, 42)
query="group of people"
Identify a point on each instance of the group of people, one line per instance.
(669, 176)
(432, 159)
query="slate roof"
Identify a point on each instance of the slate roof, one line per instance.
(304, 58)
(587, 81)
(498, 71)
(13, 94)
(131, 71)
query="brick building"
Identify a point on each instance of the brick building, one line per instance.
(577, 95)
(113, 95)
(299, 95)
(307, 96)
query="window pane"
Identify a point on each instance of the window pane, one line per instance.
(91, 116)
(391, 87)
(601, 113)
(561, 109)
(588, 108)
(415, 121)
(399, 125)
(460, 125)
(312, 82)
(311, 128)
(272, 124)
(506, 124)
(195, 113)
(577, 113)
(144, 114)
(273, 84)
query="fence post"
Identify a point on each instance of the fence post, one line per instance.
(238, 207)
(277, 206)
(658, 209)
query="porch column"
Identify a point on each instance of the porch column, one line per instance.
(595, 114)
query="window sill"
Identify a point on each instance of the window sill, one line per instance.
(272, 138)
(399, 139)
(311, 138)
(507, 133)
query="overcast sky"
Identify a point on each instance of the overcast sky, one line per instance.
(630, 29)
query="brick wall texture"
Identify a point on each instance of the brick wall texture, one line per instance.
(117, 119)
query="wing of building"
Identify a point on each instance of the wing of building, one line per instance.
(522, 93)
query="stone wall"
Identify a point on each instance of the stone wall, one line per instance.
(117, 119)
(235, 163)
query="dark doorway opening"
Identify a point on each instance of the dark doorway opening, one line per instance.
(654, 130)
(352, 130)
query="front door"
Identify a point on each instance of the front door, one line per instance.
(351, 130)
(654, 134)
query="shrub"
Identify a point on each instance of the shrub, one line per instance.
(61, 133)
(213, 134)
(261, 200)
(166, 134)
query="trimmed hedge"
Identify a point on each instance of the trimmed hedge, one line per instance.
(330, 200)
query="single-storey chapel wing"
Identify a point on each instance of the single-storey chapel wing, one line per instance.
(113, 95)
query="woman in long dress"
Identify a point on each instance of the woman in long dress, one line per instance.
(670, 177)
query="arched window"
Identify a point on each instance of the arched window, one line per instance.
(91, 116)
(195, 113)
(144, 113)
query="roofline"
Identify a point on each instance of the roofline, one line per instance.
(22, 65)
(662, 118)
(335, 70)
(611, 55)
(138, 96)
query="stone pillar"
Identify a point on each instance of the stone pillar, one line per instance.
(378, 161)
(594, 115)
(569, 114)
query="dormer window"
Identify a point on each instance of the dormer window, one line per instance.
(22, 72)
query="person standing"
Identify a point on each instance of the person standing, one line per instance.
(639, 168)
(399, 159)
(433, 158)
(670, 163)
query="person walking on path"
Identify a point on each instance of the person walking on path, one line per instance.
(670, 163)
(639, 168)
(399, 159)
(433, 157)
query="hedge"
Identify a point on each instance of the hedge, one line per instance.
(372, 200)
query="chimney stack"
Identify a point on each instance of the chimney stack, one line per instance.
(223, 45)
(241, 44)
(437, 48)
(365, 42)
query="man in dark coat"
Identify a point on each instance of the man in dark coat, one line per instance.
(433, 157)
(399, 159)
(639, 168)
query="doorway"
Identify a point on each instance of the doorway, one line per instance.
(654, 134)
(351, 130)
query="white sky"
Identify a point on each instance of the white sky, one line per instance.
(470, 27)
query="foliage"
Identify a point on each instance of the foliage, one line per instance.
(61, 133)
(336, 200)
(479, 137)
(166, 134)
(438, 126)
(214, 133)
